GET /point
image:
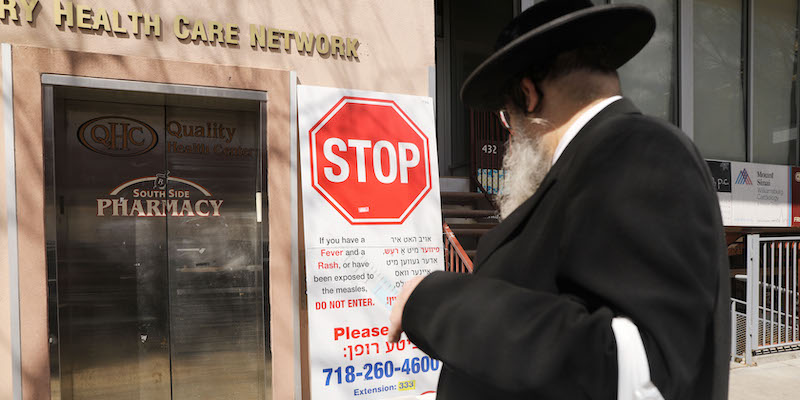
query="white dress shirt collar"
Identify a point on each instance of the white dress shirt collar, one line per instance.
(579, 123)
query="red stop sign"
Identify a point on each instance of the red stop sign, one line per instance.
(370, 161)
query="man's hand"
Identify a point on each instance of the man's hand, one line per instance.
(396, 318)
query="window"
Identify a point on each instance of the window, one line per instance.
(649, 79)
(774, 87)
(719, 102)
(744, 68)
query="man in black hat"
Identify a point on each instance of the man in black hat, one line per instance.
(608, 277)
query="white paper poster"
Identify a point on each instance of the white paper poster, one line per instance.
(372, 220)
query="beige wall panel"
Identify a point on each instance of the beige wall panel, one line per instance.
(396, 37)
(5, 321)
(29, 64)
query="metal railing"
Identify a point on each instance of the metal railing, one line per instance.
(738, 329)
(487, 146)
(772, 305)
(455, 258)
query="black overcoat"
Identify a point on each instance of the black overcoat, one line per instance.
(626, 223)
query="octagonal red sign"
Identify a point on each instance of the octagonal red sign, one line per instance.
(370, 161)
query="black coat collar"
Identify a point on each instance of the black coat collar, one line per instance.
(497, 236)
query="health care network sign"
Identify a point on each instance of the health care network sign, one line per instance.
(371, 221)
(758, 195)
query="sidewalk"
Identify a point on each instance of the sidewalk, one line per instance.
(773, 379)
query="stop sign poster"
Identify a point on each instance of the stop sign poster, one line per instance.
(372, 221)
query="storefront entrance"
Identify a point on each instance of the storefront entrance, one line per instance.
(157, 244)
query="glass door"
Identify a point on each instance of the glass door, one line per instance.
(160, 285)
(214, 251)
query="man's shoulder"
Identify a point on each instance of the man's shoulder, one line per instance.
(631, 143)
(636, 128)
(642, 134)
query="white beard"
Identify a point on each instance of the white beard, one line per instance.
(526, 162)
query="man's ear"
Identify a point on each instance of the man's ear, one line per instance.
(531, 94)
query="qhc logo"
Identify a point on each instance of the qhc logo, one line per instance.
(117, 136)
(150, 197)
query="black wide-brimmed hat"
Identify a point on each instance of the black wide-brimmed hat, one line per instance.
(551, 27)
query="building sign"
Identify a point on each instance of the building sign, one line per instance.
(117, 136)
(150, 197)
(795, 179)
(752, 194)
(205, 137)
(372, 220)
(172, 155)
(721, 181)
(721, 174)
(126, 24)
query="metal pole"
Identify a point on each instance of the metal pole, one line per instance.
(785, 307)
(772, 294)
(780, 285)
(685, 35)
(751, 318)
(749, 79)
(733, 331)
(473, 172)
(762, 288)
(794, 293)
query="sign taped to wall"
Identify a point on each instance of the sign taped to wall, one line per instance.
(372, 220)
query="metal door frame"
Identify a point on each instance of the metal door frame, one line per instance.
(49, 81)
